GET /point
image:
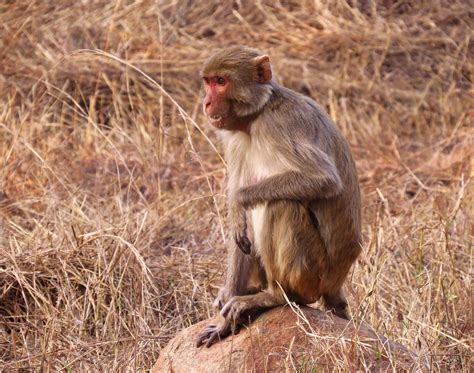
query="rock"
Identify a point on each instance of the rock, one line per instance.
(282, 339)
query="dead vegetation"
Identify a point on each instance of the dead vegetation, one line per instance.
(111, 192)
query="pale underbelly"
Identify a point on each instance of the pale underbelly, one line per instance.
(258, 218)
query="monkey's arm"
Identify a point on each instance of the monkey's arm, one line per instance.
(238, 270)
(317, 179)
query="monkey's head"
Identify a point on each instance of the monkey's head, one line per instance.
(236, 81)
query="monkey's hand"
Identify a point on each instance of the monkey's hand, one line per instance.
(239, 222)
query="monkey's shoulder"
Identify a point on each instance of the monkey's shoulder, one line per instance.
(292, 113)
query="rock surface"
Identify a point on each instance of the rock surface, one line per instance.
(283, 339)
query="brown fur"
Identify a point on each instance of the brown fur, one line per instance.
(294, 199)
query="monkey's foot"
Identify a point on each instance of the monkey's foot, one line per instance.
(341, 312)
(213, 333)
(222, 298)
(234, 308)
(239, 306)
(337, 304)
(209, 335)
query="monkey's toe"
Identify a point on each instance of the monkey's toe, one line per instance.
(341, 312)
(212, 334)
(206, 335)
(232, 310)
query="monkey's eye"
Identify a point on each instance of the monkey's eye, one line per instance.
(220, 80)
(206, 80)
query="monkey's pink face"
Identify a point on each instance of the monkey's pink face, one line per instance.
(216, 104)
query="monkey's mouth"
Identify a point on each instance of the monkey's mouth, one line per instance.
(216, 120)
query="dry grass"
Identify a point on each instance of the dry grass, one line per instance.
(111, 196)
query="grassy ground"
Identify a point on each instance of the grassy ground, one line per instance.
(111, 183)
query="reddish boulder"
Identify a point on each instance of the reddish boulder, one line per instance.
(283, 339)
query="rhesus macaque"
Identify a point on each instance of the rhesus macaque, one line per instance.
(293, 192)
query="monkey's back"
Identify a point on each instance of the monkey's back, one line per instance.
(307, 128)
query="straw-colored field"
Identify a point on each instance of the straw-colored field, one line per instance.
(111, 184)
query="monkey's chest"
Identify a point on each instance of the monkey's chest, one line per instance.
(260, 165)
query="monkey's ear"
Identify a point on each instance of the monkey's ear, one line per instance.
(264, 70)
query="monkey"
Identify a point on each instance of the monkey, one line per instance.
(293, 196)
